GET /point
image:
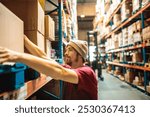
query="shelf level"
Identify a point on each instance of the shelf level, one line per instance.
(27, 90)
(34, 85)
(129, 66)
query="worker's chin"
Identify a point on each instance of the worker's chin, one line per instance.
(68, 62)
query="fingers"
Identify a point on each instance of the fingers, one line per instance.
(2, 60)
(3, 55)
(2, 50)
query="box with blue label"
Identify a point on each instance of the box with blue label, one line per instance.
(11, 76)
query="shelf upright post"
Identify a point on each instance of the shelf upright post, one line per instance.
(144, 53)
(60, 44)
(88, 34)
(95, 36)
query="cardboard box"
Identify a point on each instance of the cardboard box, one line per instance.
(129, 76)
(137, 57)
(53, 87)
(148, 88)
(135, 5)
(49, 28)
(37, 38)
(30, 11)
(11, 30)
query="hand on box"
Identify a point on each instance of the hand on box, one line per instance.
(7, 55)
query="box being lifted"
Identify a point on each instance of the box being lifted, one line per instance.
(11, 30)
(30, 11)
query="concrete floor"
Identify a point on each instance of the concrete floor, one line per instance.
(114, 89)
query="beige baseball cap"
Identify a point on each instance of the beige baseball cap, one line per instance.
(80, 46)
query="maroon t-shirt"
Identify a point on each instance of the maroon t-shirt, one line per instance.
(86, 89)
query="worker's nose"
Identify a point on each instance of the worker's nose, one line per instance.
(66, 53)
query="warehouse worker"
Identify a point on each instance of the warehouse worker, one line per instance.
(79, 80)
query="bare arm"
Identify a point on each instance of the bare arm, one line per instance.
(34, 49)
(48, 67)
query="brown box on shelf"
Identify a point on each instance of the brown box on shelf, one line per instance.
(49, 28)
(30, 11)
(145, 2)
(117, 19)
(11, 30)
(117, 72)
(136, 82)
(148, 88)
(137, 37)
(109, 68)
(37, 38)
(126, 10)
(137, 57)
(136, 5)
(53, 87)
(129, 76)
(139, 25)
(116, 43)
(121, 77)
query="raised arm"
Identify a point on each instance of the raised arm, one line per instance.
(48, 67)
(33, 49)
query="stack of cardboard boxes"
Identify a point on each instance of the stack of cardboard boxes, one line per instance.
(32, 15)
(126, 10)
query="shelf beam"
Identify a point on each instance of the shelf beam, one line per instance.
(129, 66)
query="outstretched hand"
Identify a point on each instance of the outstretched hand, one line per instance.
(7, 55)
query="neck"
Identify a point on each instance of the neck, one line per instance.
(77, 65)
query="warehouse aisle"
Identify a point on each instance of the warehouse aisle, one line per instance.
(114, 89)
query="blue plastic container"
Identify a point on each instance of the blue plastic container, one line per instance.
(11, 77)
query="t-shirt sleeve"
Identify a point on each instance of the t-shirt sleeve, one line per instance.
(87, 79)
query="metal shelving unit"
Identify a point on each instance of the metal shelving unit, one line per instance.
(142, 46)
(58, 12)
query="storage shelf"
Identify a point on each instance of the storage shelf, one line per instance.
(127, 48)
(143, 45)
(28, 89)
(142, 88)
(34, 85)
(128, 20)
(115, 11)
(129, 66)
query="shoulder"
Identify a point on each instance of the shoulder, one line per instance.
(85, 70)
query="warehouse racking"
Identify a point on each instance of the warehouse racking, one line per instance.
(122, 68)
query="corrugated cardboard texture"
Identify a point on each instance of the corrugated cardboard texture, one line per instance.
(36, 38)
(30, 11)
(11, 30)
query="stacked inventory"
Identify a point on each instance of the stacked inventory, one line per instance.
(128, 40)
